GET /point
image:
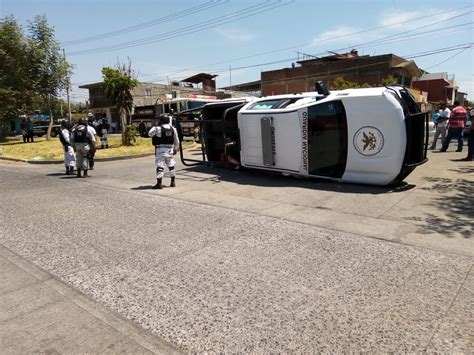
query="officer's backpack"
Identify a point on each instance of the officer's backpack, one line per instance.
(80, 135)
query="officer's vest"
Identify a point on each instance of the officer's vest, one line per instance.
(80, 135)
(167, 137)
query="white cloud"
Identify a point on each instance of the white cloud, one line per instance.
(236, 35)
(336, 35)
(398, 20)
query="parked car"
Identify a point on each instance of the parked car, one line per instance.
(40, 129)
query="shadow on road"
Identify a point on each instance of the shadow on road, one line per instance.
(143, 187)
(258, 178)
(456, 200)
(56, 174)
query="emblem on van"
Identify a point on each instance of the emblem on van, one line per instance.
(368, 141)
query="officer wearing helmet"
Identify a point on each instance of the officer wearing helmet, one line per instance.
(165, 139)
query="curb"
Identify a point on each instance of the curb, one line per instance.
(121, 157)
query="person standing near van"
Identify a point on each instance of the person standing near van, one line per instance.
(165, 139)
(441, 122)
(456, 123)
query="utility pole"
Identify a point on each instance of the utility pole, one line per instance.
(67, 91)
(230, 75)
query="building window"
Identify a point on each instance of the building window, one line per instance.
(148, 92)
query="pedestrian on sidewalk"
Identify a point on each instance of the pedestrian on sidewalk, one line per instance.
(24, 132)
(456, 123)
(29, 130)
(440, 122)
(165, 139)
(470, 140)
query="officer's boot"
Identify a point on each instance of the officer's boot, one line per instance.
(173, 184)
(67, 171)
(158, 185)
(79, 173)
(85, 174)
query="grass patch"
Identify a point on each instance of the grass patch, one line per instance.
(42, 149)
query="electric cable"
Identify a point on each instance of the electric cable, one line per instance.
(328, 39)
(235, 16)
(176, 15)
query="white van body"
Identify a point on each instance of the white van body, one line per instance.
(354, 135)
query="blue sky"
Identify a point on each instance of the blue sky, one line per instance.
(237, 39)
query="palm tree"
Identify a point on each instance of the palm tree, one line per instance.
(118, 84)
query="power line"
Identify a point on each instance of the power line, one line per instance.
(328, 39)
(339, 71)
(176, 15)
(266, 6)
(361, 45)
(451, 57)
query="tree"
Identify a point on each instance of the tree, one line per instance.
(118, 84)
(340, 84)
(389, 80)
(16, 92)
(49, 68)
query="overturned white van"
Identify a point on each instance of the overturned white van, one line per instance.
(371, 136)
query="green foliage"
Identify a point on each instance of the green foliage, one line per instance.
(15, 85)
(130, 135)
(32, 69)
(389, 80)
(118, 84)
(340, 83)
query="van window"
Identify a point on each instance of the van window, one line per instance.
(327, 139)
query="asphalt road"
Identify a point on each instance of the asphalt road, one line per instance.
(242, 261)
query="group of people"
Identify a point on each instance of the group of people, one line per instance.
(79, 144)
(450, 125)
(26, 127)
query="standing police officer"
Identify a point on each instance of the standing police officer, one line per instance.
(83, 140)
(69, 156)
(165, 139)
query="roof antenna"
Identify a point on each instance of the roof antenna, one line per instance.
(320, 88)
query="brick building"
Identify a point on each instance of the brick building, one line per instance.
(439, 88)
(352, 67)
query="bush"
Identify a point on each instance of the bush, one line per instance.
(130, 134)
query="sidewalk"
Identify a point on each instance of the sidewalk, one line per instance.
(40, 314)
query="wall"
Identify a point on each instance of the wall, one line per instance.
(371, 70)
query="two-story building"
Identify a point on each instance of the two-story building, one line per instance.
(148, 94)
(360, 69)
(440, 87)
